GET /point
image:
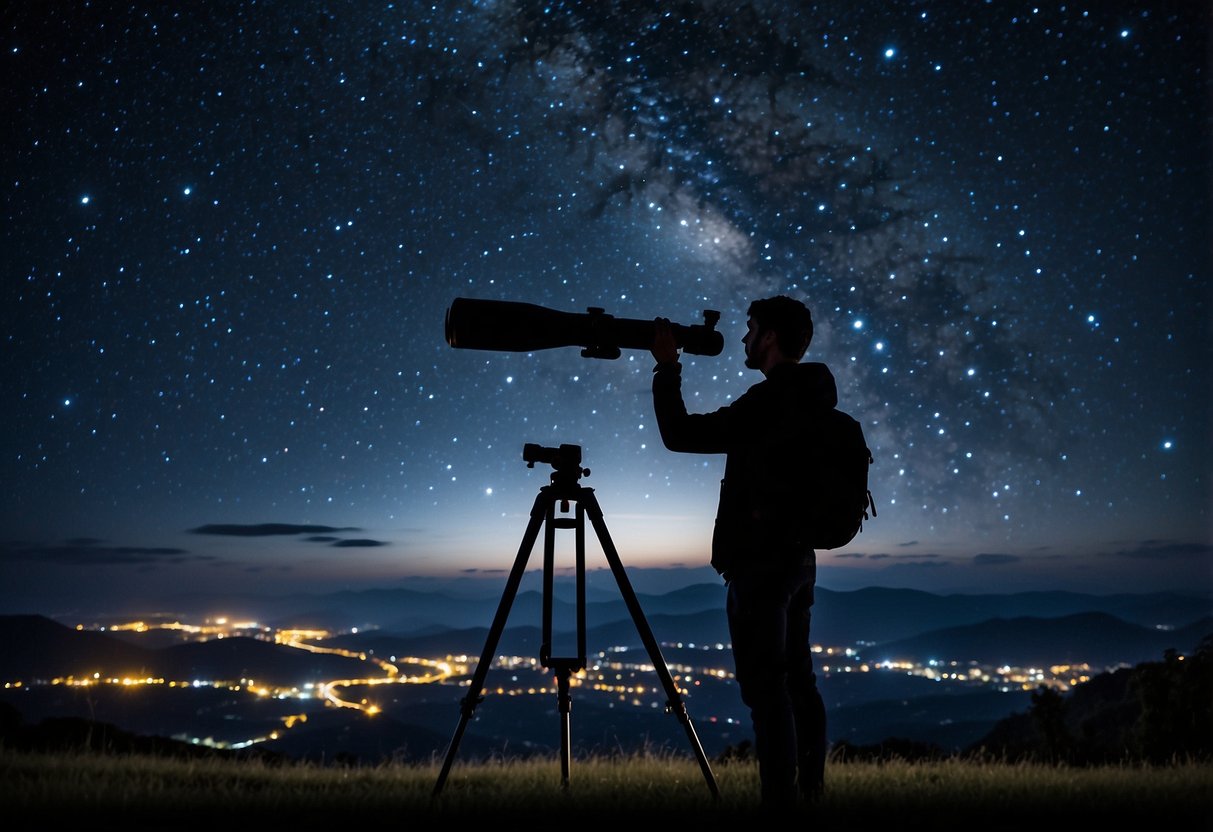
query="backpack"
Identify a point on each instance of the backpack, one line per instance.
(808, 494)
(837, 498)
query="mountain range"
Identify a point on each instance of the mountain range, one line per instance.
(1023, 629)
(874, 624)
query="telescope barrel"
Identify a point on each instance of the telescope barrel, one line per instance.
(524, 327)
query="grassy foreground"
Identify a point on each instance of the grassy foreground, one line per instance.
(37, 790)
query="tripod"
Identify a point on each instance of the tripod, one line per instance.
(563, 489)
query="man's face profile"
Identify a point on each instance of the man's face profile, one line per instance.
(756, 345)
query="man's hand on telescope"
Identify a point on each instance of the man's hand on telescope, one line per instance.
(664, 348)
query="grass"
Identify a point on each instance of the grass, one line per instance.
(111, 791)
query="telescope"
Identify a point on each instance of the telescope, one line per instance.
(524, 327)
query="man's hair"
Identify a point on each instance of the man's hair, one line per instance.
(789, 319)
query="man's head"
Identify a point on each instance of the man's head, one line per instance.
(787, 322)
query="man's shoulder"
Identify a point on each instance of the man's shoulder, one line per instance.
(806, 385)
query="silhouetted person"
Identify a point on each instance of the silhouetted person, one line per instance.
(757, 544)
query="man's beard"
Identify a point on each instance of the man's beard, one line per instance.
(753, 360)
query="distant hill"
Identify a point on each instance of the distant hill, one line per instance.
(514, 641)
(1043, 628)
(878, 615)
(74, 734)
(250, 658)
(864, 708)
(949, 722)
(36, 647)
(892, 623)
(525, 640)
(1094, 638)
(869, 615)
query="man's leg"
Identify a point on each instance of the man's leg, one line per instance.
(757, 607)
(807, 704)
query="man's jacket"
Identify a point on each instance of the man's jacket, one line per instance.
(762, 434)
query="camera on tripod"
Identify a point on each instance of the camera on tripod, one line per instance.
(523, 327)
(564, 458)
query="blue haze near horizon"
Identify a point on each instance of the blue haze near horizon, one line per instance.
(231, 235)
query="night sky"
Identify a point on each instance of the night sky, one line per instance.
(231, 233)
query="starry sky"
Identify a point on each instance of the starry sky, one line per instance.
(232, 231)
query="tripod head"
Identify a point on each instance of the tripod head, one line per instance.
(565, 461)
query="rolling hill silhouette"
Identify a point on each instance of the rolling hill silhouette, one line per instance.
(689, 623)
(1094, 638)
(36, 647)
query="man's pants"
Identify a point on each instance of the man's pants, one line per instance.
(768, 615)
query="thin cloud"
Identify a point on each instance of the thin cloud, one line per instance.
(914, 566)
(266, 529)
(92, 552)
(995, 559)
(265, 570)
(917, 556)
(1166, 550)
(359, 543)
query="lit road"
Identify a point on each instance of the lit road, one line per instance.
(622, 674)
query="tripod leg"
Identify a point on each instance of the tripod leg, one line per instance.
(473, 698)
(565, 704)
(674, 703)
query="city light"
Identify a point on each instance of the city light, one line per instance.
(622, 674)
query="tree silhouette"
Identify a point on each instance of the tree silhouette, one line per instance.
(1049, 717)
(1156, 712)
(1176, 700)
